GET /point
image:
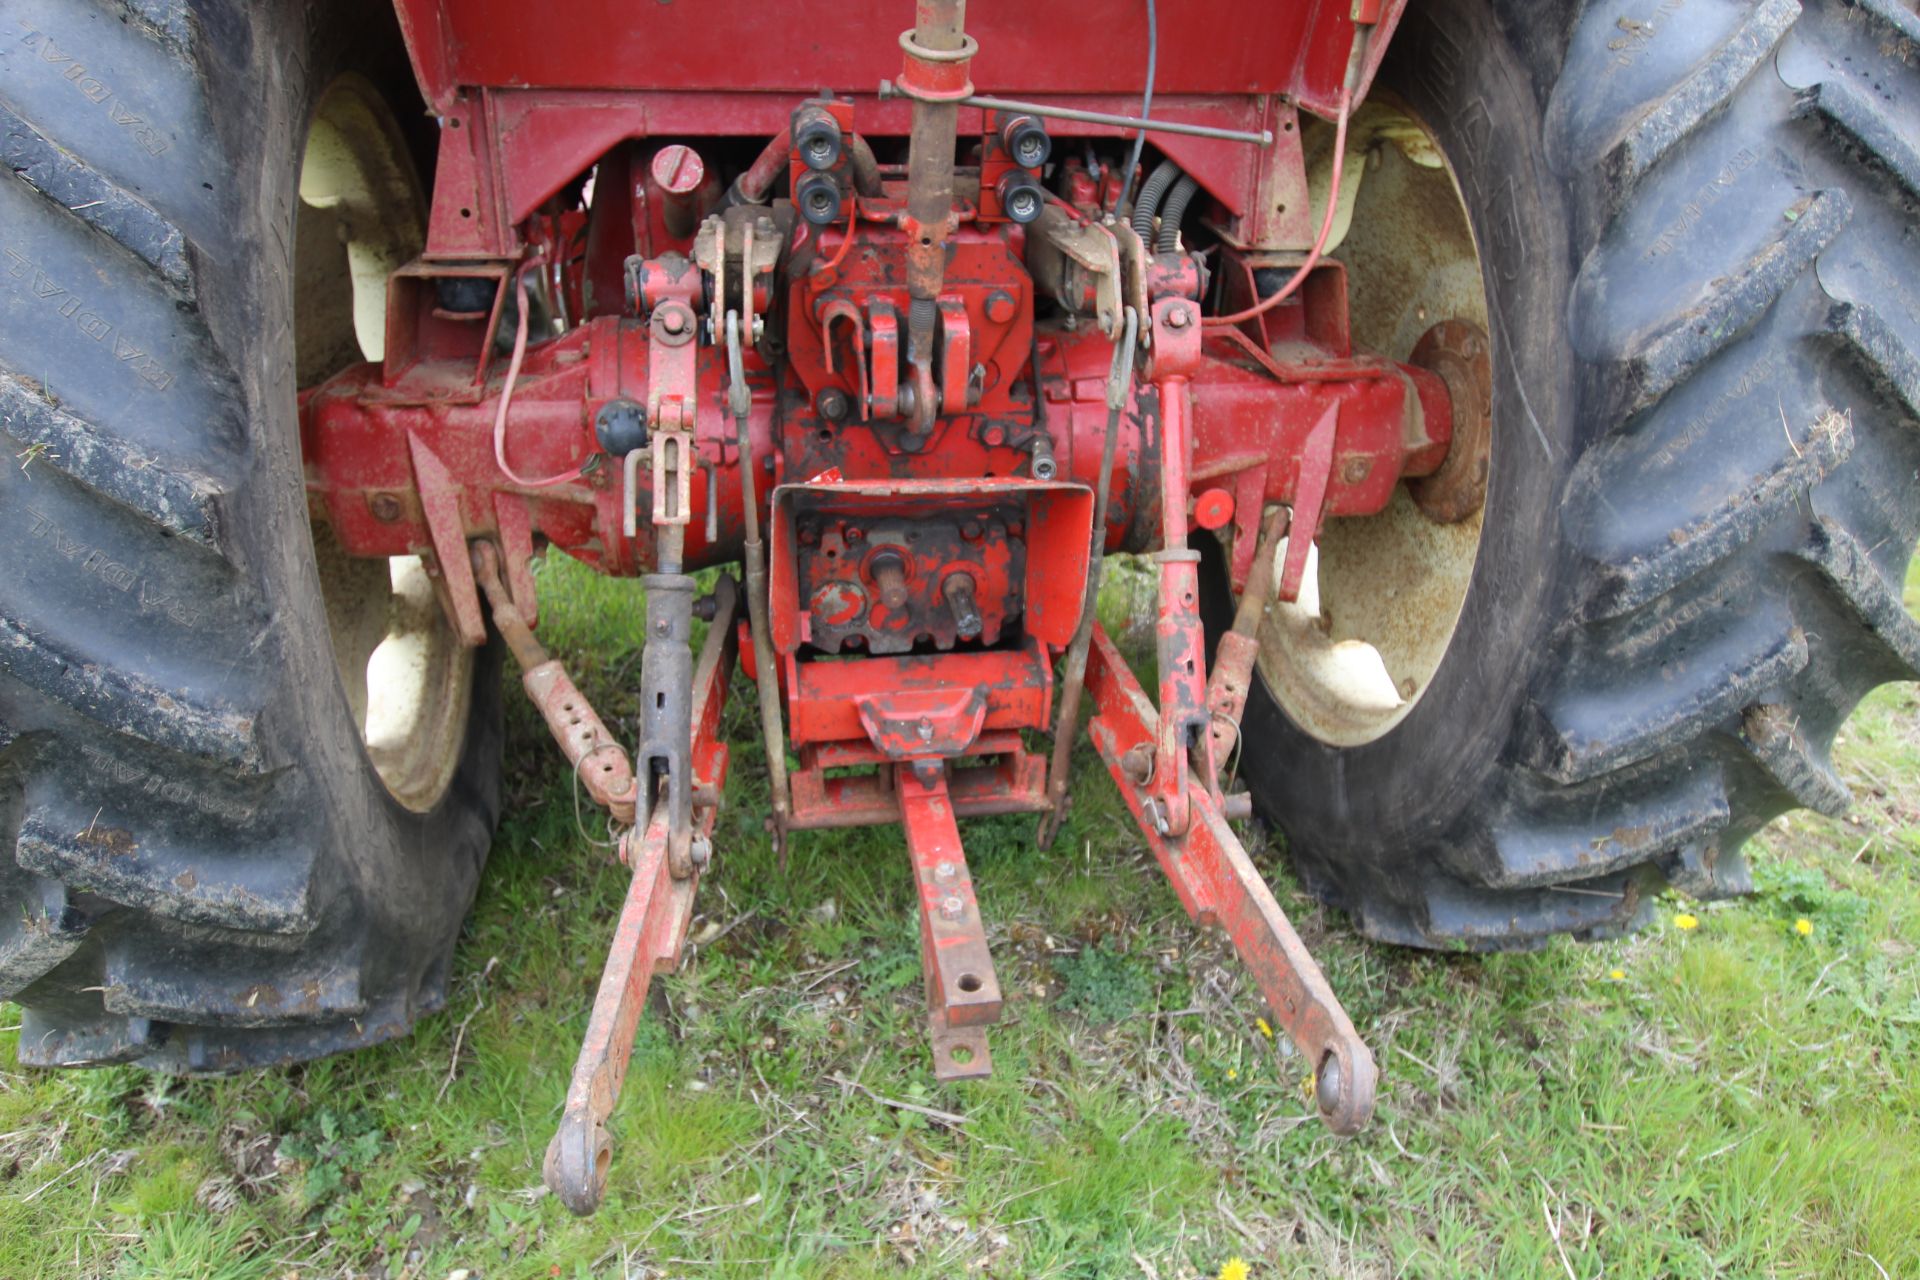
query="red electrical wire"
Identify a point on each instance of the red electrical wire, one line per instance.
(1286, 291)
(853, 220)
(506, 399)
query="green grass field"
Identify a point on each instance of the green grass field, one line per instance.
(1733, 1099)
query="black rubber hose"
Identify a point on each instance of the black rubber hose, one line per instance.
(1172, 212)
(1148, 204)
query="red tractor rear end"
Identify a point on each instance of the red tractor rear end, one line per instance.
(1470, 382)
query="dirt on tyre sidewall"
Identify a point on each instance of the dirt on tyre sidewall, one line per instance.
(203, 871)
(1694, 229)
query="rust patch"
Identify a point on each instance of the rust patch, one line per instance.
(117, 841)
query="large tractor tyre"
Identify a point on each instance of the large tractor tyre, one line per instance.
(1697, 270)
(246, 785)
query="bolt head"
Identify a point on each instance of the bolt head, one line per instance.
(1178, 317)
(944, 872)
(386, 507)
(951, 908)
(673, 319)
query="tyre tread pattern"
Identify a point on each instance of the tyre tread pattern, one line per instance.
(1740, 528)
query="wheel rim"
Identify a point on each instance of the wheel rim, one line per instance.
(407, 678)
(1352, 656)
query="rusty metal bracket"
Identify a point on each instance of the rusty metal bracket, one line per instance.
(1075, 261)
(1316, 469)
(440, 502)
(1218, 885)
(647, 938)
(963, 992)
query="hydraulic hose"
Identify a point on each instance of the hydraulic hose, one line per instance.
(1173, 211)
(1148, 205)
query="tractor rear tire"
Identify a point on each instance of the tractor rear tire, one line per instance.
(200, 867)
(1695, 228)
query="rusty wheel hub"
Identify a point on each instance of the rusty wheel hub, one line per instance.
(1457, 351)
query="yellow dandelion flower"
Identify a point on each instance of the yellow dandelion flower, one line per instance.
(1617, 975)
(1265, 1030)
(1685, 921)
(1803, 927)
(1235, 1269)
(1233, 1073)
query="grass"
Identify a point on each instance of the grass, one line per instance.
(1734, 1099)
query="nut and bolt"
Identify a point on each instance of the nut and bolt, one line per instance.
(1356, 469)
(951, 908)
(945, 872)
(1178, 317)
(700, 853)
(925, 729)
(833, 404)
(385, 506)
(673, 319)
